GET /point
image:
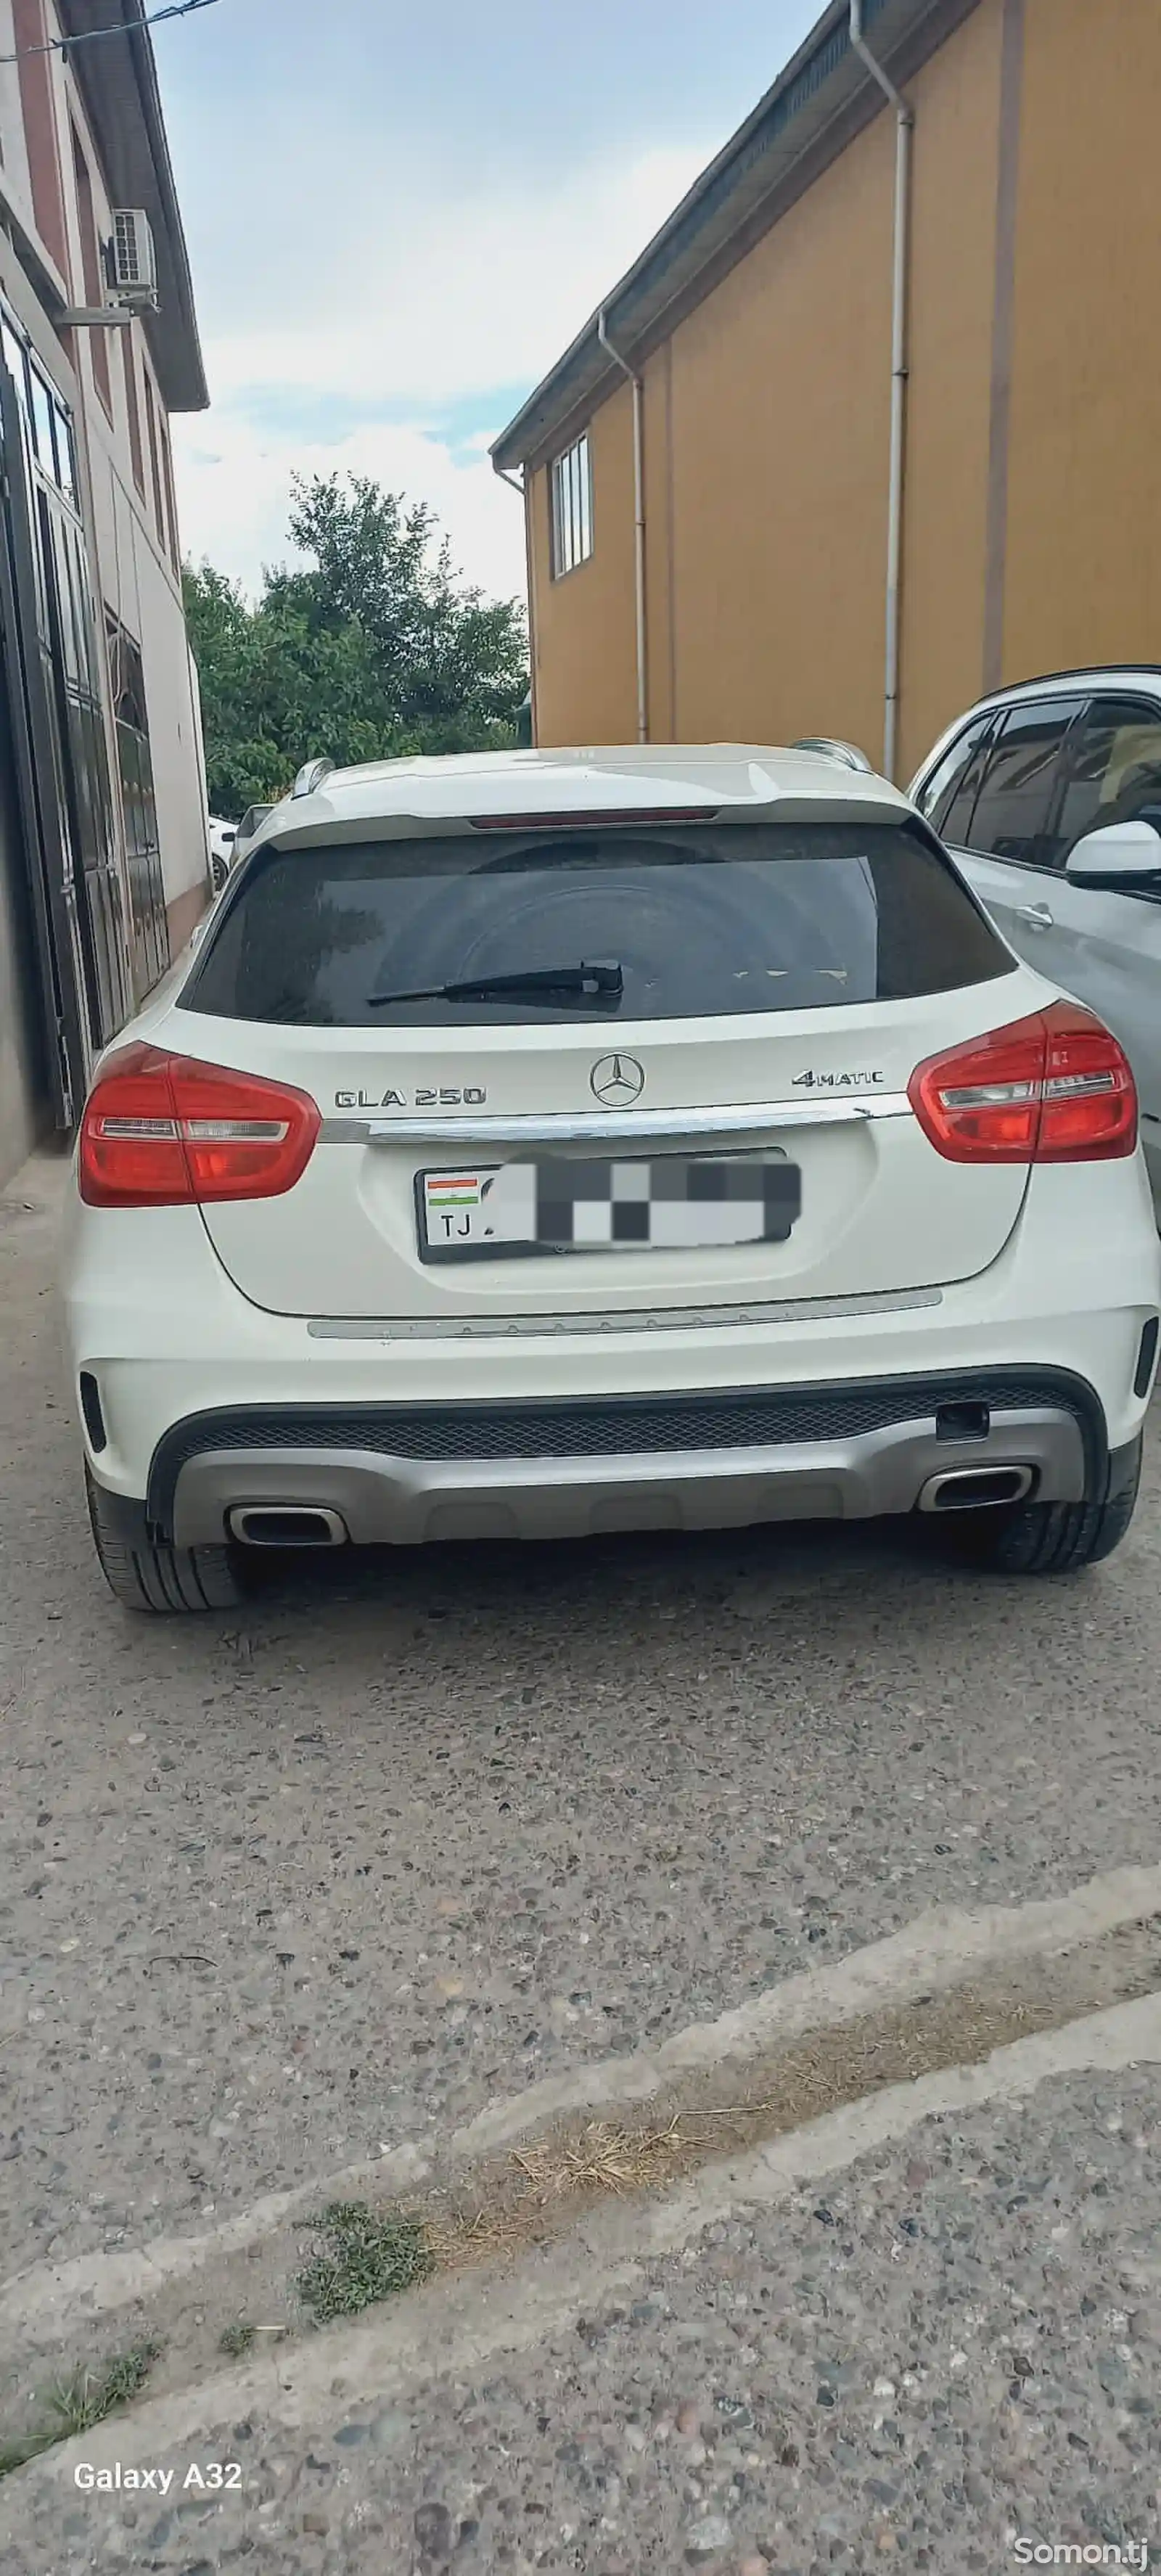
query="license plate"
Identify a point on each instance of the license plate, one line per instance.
(572, 1204)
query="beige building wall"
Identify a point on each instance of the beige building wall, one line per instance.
(951, 388)
(660, 549)
(779, 468)
(766, 443)
(1032, 526)
(1084, 478)
(584, 623)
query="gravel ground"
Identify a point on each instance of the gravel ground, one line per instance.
(958, 2345)
(276, 1893)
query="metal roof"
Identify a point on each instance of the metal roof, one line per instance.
(819, 102)
(118, 83)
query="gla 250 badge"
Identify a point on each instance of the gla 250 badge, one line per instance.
(446, 1097)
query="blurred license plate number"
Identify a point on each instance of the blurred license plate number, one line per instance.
(565, 1203)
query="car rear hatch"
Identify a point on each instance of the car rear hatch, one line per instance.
(721, 1122)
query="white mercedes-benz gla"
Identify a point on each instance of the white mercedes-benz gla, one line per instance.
(551, 1142)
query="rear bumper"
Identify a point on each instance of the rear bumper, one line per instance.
(620, 1421)
(405, 1474)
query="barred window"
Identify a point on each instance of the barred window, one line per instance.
(572, 507)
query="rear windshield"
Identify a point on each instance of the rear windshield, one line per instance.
(714, 918)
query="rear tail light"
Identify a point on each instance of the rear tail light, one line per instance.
(1054, 1088)
(164, 1131)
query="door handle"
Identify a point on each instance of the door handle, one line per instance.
(1035, 916)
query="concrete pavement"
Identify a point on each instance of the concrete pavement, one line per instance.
(282, 1892)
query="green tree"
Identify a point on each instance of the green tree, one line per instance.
(366, 649)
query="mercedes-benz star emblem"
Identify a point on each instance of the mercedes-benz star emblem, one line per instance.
(617, 1079)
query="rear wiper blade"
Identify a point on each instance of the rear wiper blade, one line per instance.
(604, 982)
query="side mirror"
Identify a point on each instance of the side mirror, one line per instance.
(1125, 854)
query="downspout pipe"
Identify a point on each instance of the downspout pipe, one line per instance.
(904, 132)
(638, 523)
(519, 484)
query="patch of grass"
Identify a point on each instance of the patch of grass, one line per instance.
(76, 2404)
(237, 2339)
(368, 2257)
(15, 2455)
(85, 2399)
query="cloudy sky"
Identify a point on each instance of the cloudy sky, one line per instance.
(399, 215)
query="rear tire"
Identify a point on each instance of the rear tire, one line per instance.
(168, 1581)
(1054, 1538)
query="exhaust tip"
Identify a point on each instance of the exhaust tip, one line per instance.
(975, 1488)
(286, 1525)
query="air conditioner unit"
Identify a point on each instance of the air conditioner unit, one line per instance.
(132, 262)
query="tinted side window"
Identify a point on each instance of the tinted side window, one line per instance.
(1014, 803)
(948, 794)
(1113, 771)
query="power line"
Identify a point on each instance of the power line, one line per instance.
(93, 35)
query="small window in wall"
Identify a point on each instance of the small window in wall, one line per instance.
(50, 428)
(154, 463)
(139, 806)
(42, 423)
(66, 456)
(170, 497)
(14, 360)
(572, 507)
(93, 272)
(132, 406)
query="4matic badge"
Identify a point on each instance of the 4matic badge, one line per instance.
(811, 1081)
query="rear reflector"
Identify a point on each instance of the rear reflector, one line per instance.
(91, 1409)
(1054, 1088)
(594, 819)
(164, 1131)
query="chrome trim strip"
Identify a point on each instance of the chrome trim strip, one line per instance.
(666, 1319)
(621, 1127)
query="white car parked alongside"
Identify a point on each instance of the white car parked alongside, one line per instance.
(247, 832)
(544, 1143)
(1050, 796)
(222, 839)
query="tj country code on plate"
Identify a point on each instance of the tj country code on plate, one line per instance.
(570, 1204)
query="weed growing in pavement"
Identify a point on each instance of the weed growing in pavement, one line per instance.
(237, 2339)
(76, 2404)
(367, 2258)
